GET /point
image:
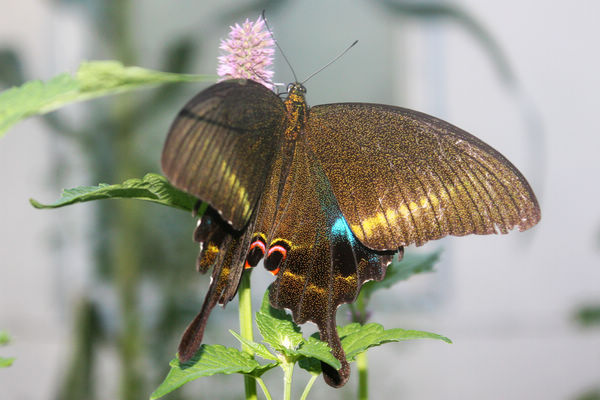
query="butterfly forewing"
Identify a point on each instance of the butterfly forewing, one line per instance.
(221, 145)
(402, 177)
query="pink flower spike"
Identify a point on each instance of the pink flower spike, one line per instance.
(248, 53)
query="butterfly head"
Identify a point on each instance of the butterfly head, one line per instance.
(296, 92)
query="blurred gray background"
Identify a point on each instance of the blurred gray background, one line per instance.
(96, 296)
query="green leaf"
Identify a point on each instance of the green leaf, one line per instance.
(410, 265)
(266, 308)
(282, 335)
(93, 79)
(315, 348)
(588, 316)
(349, 329)
(4, 338)
(152, 187)
(209, 360)
(6, 362)
(311, 365)
(592, 394)
(261, 369)
(277, 327)
(357, 338)
(258, 348)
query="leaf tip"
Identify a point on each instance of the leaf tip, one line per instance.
(36, 204)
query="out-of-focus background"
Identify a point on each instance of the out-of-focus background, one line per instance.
(96, 296)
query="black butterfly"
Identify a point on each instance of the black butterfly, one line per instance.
(327, 195)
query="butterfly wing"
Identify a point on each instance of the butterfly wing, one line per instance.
(319, 262)
(221, 146)
(403, 177)
(224, 249)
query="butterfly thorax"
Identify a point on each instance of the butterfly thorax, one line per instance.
(296, 108)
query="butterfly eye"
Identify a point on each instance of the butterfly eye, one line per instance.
(290, 87)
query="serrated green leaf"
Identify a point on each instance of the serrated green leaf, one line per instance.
(6, 362)
(282, 335)
(92, 80)
(410, 265)
(348, 329)
(266, 308)
(355, 341)
(152, 187)
(258, 348)
(4, 338)
(311, 365)
(262, 369)
(315, 348)
(209, 360)
(277, 327)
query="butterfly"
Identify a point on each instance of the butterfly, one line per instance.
(326, 195)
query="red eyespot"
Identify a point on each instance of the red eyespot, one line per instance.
(259, 244)
(256, 252)
(276, 256)
(279, 249)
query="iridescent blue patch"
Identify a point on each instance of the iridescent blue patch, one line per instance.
(340, 228)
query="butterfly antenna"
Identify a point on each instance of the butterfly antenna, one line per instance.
(262, 78)
(279, 47)
(330, 62)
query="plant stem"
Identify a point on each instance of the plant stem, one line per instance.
(245, 312)
(309, 385)
(288, 369)
(360, 310)
(264, 388)
(363, 375)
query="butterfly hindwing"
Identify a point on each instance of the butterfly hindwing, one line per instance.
(221, 145)
(403, 177)
(225, 249)
(318, 262)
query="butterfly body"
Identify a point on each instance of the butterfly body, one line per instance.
(326, 195)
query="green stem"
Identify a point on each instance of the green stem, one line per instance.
(309, 385)
(245, 311)
(360, 312)
(126, 244)
(288, 369)
(363, 375)
(262, 385)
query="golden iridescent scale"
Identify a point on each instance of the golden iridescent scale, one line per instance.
(326, 195)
